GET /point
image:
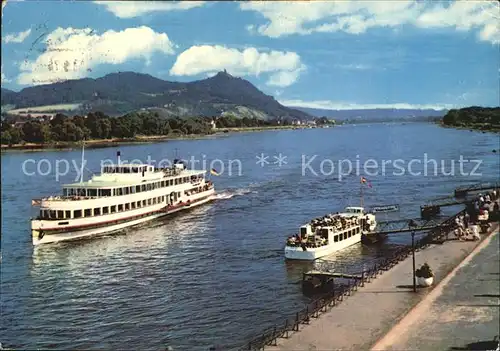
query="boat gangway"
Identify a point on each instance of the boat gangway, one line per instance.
(433, 207)
(407, 225)
(463, 190)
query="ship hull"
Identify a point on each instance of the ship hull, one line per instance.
(109, 227)
(311, 254)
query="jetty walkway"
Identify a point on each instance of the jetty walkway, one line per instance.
(461, 313)
(374, 307)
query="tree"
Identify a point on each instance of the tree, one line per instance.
(6, 138)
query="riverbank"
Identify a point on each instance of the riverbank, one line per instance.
(462, 312)
(386, 300)
(142, 139)
(485, 128)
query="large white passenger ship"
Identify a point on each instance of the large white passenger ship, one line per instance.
(331, 233)
(123, 195)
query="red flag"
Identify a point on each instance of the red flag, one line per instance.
(365, 181)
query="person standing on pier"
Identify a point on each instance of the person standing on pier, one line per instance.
(466, 219)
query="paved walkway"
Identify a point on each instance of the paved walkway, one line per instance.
(362, 319)
(461, 313)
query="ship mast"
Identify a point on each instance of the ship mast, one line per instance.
(83, 160)
(361, 192)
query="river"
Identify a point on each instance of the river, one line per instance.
(215, 275)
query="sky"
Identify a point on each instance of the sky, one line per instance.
(320, 54)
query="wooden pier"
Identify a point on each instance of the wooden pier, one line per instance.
(463, 190)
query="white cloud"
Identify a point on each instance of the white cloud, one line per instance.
(131, 9)
(337, 105)
(355, 17)
(353, 66)
(284, 67)
(72, 53)
(4, 2)
(16, 37)
(4, 78)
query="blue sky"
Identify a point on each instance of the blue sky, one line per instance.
(318, 54)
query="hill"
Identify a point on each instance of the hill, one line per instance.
(376, 115)
(474, 117)
(123, 92)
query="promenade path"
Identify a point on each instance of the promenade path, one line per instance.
(462, 313)
(366, 316)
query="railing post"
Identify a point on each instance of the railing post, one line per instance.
(286, 328)
(275, 338)
(296, 326)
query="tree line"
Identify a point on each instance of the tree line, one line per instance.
(97, 125)
(474, 116)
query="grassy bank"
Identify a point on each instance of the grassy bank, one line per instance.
(142, 139)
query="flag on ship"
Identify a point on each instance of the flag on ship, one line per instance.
(36, 202)
(214, 172)
(365, 181)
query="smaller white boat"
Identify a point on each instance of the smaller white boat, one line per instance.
(328, 234)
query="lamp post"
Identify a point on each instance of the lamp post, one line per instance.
(412, 224)
(413, 258)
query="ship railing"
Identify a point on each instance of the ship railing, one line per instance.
(70, 198)
(327, 301)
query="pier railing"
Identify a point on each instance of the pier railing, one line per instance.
(328, 301)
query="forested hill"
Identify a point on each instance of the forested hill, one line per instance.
(119, 93)
(476, 117)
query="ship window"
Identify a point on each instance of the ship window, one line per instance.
(77, 213)
(68, 214)
(131, 190)
(154, 201)
(118, 191)
(357, 230)
(138, 204)
(88, 213)
(176, 181)
(105, 210)
(345, 235)
(178, 194)
(60, 214)
(120, 208)
(143, 187)
(144, 203)
(113, 209)
(149, 201)
(97, 211)
(336, 238)
(92, 192)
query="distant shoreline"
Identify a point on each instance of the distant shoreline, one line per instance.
(143, 139)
